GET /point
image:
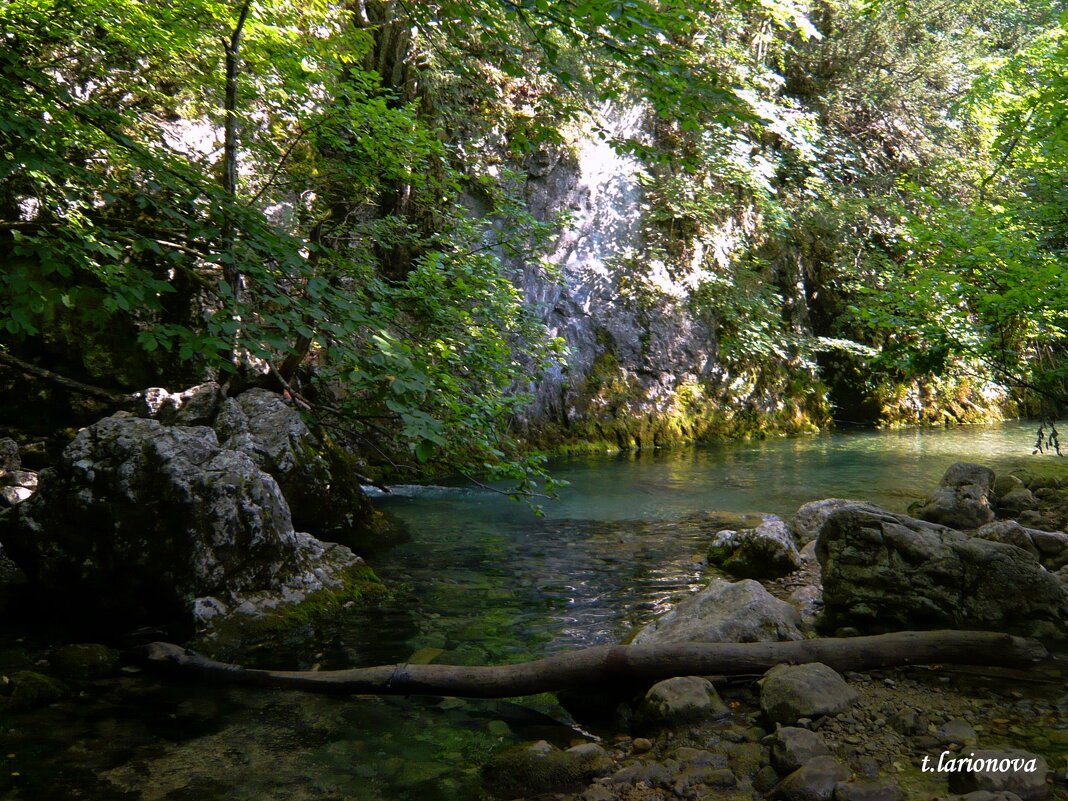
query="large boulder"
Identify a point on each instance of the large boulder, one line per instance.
(962, 500)
(725, 611)
(886, 571)
(316, 477)
(767, 551)
(140, 522)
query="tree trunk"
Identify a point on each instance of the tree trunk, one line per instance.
(613, 664)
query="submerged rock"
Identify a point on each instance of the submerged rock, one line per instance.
(885, 571)
(33, 689)
(139, 520)
(725, 611)
(767, 551)
(84, 661)
(962, 500)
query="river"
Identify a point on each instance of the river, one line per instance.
(476, 579)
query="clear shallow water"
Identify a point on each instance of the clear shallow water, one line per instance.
(479, 580)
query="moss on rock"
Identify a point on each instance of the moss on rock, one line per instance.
(34, 689)
(539, 768)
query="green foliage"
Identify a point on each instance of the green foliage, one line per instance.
(111, 215)
(986, 276)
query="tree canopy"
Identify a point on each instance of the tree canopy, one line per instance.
(282, 192)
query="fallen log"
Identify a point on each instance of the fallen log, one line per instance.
(612, 664)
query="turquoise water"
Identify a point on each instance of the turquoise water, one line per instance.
(478, 580)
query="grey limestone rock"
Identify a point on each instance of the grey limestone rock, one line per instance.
(323, 494)
(958, 731)
(885, 571)
(767, 551)
(1017, 501)
(196, 406)
(9, 455)
(1049, 547)
(725, 611)
(962, 499)
(138, 520)
(791, 692)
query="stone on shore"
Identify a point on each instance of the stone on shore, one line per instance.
(680, 701)
(792, 747)
(791, 692)
(813, 781)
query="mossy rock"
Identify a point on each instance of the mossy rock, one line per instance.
(239, 632)
(35, 689)
(84, 661)
(530, 769)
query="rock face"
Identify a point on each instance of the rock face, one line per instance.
(962, 499)
(791, 692)
(140, 522)
(885, 571)
(680, 701)
(725, 611)
(323, 494)
(642, 368)
(767, 551)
